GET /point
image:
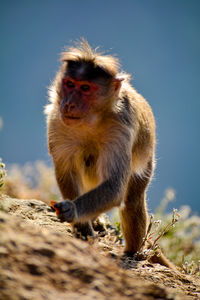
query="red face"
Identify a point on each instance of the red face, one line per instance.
(78, 97)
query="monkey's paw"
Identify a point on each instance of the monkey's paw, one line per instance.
(66, 211)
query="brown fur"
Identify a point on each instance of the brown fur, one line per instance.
(106, 159)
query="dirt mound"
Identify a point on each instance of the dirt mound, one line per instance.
(41, 260)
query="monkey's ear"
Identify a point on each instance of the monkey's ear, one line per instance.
(117, 83)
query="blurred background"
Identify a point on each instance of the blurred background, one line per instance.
(158, 42)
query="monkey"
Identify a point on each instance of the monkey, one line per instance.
(102, 137)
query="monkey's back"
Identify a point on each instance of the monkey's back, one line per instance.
(143, 125)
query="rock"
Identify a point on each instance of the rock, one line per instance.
(40, 259)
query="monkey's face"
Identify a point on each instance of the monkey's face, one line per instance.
(78, 99)
(86, 92)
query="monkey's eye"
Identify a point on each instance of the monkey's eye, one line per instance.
(85, 87)
(68, 83)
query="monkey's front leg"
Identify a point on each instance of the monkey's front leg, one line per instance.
(66, 211)
(91, 204)
(100, 199)
(69, 188)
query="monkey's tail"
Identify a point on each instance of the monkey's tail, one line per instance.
(161, 259)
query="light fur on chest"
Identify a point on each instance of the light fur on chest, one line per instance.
(83, 158)
(87, 168)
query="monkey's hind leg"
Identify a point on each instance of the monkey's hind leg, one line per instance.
(134, 215)
(99, 225)
(83, 230)
(134, 225)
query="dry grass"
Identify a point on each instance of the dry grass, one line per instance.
(31, 181)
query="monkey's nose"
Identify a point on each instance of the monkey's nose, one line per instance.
(71, 107)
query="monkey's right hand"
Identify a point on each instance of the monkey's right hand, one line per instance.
(66, 211)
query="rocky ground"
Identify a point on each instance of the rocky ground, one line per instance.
(40, 259)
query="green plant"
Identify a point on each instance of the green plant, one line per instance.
(182, 243)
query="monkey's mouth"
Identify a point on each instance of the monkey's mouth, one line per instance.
(72, 117)
(69, 119)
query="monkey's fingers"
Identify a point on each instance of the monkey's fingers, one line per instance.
(52, 204)
(66, 210)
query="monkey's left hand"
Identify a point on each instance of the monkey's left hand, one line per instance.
(66, 211)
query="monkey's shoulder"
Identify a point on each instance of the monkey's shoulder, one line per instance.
(126, 107)
(133, 107)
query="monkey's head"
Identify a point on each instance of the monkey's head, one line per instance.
(88, 84)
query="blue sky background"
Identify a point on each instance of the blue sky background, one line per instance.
(158, 42)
